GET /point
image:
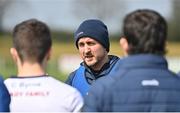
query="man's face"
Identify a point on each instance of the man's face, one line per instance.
(92, 52)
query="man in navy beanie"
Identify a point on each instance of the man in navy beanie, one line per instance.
(92, 41)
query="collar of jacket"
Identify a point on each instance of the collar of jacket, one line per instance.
(93, 75)
(143, 60)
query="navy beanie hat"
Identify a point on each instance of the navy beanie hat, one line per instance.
(94, 29)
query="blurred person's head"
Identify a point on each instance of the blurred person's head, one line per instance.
(145, 31)
(92, 41)
(31, 42)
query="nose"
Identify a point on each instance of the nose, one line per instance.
(86, 48)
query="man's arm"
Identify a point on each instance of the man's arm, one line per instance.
(4, 97)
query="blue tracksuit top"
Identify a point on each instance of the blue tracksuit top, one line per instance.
(79, 78)
(4, 97)
(139, 83)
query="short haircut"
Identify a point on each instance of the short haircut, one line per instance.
(32, 40)
(146, 32)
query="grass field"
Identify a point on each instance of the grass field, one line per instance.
(7, 67)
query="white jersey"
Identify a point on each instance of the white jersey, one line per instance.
(42, 94)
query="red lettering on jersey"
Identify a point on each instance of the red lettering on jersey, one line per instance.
(16, 94)
(37, 93)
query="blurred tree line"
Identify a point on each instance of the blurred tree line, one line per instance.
(103, 10)
(4, 4)
(174, 25)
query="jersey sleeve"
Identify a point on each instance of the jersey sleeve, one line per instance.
(75, 101)
(4, 97)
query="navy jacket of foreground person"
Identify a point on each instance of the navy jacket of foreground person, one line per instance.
(141, 81)
(4, 97)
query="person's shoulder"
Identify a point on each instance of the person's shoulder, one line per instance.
(178, 73)
(68, 91)
(1, 82)
(100, 89)
(113, 60)
(1, 79)
(113, 57)
(74, 72)
(61, 85)
(70, 77)
(8, 80)
(103, 82)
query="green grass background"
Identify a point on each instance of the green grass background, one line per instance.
(8, 68)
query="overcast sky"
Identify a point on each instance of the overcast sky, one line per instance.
(58, 13)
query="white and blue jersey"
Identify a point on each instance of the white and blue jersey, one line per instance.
(42, 94)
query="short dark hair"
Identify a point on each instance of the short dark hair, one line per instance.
(146, 32)
(32, 40)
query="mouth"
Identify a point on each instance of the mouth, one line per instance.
(88, 58)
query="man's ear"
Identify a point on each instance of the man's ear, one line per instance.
(124, 44)
(49, 54)
(14, 54)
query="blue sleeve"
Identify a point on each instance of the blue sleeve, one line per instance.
(4, 97)
(70, 79)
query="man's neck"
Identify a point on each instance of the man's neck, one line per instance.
(30, 70)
